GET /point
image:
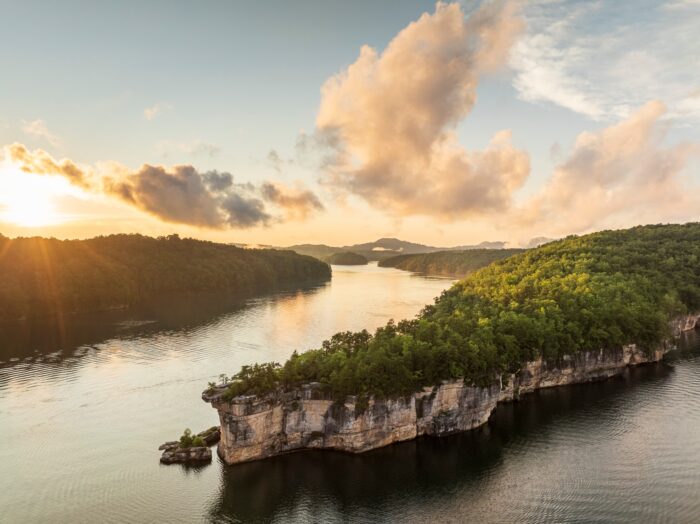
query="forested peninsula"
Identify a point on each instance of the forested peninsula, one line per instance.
(591, 293)
(43, 276)
(456, 264)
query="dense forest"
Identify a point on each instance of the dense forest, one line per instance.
(602, 290)
(448, 263)
(347, 258)
(45, 276)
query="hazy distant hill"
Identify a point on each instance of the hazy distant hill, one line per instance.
(538, 241)
(393, 244)
(457, 264)
(482, 245)
(384, 248)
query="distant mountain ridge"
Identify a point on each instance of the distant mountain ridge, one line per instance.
(389, 247)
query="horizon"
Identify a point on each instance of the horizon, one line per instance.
(506, 245)
(528, 133)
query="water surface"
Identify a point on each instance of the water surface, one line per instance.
(81, 424)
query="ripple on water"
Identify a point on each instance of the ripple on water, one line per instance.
(81, 427)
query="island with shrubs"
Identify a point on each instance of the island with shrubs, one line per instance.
(575, 310)
(190, 449)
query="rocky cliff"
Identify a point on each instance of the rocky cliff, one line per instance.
(257, 427)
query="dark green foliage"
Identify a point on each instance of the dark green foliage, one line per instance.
(254, 380)
(582, 293)
(186, 438)
(49, 276)
(448, 263)
(346, 259)
(198, 442)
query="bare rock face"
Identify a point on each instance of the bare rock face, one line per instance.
(254, 427)
(174, 454)
(685, 323)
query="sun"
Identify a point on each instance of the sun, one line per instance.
(31, 211)
(27, 199)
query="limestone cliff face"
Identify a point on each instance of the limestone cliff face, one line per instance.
(257, 427)
(254, 428)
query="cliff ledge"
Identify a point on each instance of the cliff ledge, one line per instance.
(254, 427)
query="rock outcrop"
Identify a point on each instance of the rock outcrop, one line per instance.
(257, 427)
(174, 454)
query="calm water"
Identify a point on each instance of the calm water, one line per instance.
(84, 407)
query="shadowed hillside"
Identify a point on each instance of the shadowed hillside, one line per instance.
(456, 264)
(49, 276)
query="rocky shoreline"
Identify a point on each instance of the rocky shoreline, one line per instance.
(254, 427)
(175, 453)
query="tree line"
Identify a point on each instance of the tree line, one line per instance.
(457, 264)
(49, 276)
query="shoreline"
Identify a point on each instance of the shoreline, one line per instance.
(254, 428)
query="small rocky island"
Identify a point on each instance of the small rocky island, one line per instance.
(190, 449)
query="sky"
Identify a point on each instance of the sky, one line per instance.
(341, 122)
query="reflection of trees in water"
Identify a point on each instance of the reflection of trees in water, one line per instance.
(334, 485)
(51, 340)
(339, 482)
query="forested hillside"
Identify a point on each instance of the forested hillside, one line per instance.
(602, 290)
(457, 264)
(41, 276)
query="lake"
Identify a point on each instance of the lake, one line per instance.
(84, 405)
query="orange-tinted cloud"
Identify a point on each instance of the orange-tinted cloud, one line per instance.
(622, 175)
(298, 203)
(390, 118)
(42, 163)
(180, 194)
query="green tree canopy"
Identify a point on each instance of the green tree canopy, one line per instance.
(597, 291)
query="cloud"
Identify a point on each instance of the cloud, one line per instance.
(275, 160)
(390, 119)
(194, 148)
(298, 203)
(151, 112)
(620, 176)
(244, 212)
(179, 194)
(183, 195)
(604, 59)
(37, 128)
(682, 4)
(41, 163)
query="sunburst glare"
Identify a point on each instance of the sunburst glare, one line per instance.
(29, 200)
